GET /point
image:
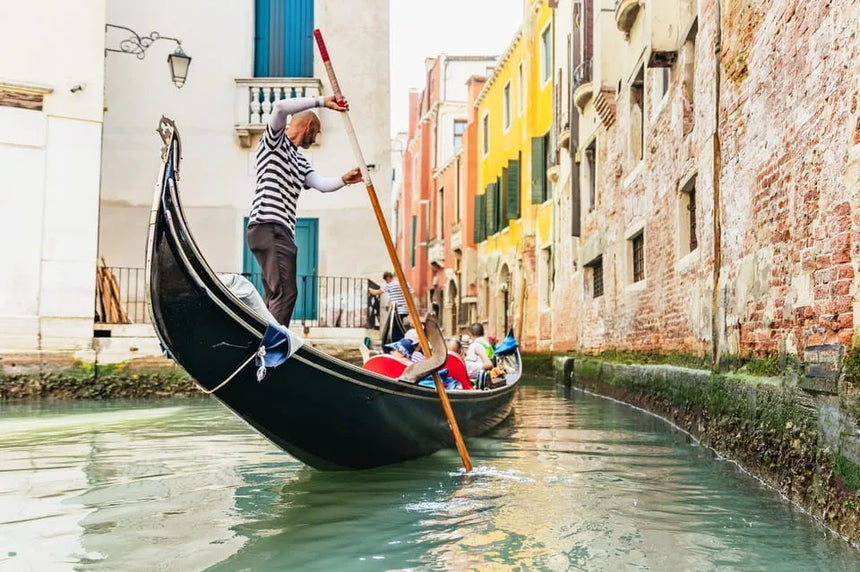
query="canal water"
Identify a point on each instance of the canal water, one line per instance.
(569, 482)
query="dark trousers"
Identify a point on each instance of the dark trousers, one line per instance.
(275, 250)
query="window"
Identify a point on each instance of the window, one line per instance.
(595, 268)
(512, 188)
(665, 77)
(485, 128)
(414, 229)
(637, 243)
(690, 62)
(277, 54)
(637, 118)
(546, 54)
(521, 100)
(689, 77)
(688, 239)
(457, 197)
(459, 129)
(539, 191)
(507, 106)
(590, 173)
(546, 277)
(440, 214)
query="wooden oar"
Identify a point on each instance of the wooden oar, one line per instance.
(392, 253)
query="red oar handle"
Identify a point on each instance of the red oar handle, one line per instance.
(335, 87)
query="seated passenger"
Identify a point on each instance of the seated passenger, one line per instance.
(479, 352)
(402, 350)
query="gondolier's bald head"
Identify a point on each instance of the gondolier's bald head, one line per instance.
(304, 128)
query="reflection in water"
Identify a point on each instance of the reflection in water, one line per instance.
(567, 482)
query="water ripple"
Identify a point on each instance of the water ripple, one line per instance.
(574, 483)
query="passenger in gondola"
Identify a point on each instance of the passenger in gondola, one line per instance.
(402, 350)
(454, 346)
(479, 353)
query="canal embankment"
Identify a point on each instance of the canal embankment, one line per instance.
(37, 376)
(793, 425)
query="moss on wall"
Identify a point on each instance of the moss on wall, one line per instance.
(538, 364)
(96, 381)
(769, 427)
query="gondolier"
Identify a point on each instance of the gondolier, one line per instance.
(282, 173)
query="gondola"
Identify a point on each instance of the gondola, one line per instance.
(392, 328)
(325, 412)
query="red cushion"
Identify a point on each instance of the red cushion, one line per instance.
(457, 370)
(386, 365)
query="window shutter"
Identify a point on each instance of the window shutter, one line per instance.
(414, 228)
(538, 170)
(512, 187)
(501, 201)
(480, 220)
(490, 194)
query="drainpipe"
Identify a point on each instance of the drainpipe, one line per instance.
(715, 311)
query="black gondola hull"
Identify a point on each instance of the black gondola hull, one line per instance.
(327, 413)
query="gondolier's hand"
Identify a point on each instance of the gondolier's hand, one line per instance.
(352, 177)
(332, 103)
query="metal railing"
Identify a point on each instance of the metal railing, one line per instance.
(128, 285)
(332, 301)
(582, 73)
(323, 301)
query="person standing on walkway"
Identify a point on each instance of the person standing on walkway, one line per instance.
(282, 173)
(391, 286)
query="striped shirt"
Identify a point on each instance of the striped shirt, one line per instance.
(395, 294)
(281, 173)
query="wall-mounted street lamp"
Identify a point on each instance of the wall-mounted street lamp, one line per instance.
(137, 45)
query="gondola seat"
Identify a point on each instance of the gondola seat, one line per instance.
(386, 365)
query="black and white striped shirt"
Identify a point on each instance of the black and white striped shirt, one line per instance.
(281, 174)
(395, 294)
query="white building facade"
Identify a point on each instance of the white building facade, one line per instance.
(98, 151)
(51, 86)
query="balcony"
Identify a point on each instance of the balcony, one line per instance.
(564, 134)
(582, 86)
(457, 237)
(436, 253)
(255, 96)
(625, 14)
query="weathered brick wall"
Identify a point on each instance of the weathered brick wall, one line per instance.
(788, 122)
(789, 201)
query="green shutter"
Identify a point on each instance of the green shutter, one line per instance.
(479, 228)
(414, 228)
(502, 195)
(490, 194)
(512, 186)
(538, 170)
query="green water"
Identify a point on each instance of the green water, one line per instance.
(567, 483)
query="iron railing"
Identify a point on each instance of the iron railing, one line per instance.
(582, 73)
(323, 301)
(126, 283)
(332, 301)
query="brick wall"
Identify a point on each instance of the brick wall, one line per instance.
(789, 194)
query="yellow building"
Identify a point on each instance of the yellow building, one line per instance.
(513, 220)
